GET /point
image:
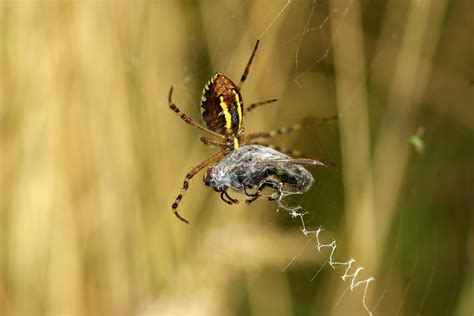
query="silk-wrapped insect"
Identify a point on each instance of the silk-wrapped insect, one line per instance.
(252, 168)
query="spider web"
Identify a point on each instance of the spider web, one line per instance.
(318, 24)
(352, 273)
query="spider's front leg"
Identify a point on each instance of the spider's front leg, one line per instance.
(188, 119)
(188, 177)
(257, 104)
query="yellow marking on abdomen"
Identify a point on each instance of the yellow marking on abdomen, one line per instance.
(236, 143)
(239, 107)
(227, 116)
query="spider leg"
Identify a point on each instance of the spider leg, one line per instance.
(212, 142)
(257, 104)
(229, 200)
(188, 177)
(247, 68)
(288, 129)
(189, 120)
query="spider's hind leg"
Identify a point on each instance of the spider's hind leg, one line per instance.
(247, 67)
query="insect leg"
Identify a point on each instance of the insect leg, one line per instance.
(269, 184)
(247, 192)
(229, 199)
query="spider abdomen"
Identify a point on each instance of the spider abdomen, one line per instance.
(221, 105)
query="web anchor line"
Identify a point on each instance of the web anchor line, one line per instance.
(351, 273)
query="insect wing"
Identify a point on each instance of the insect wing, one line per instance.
(291, 161)
(303, 161)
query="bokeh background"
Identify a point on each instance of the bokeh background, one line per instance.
(91, 158)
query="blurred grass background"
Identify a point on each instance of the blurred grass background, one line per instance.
(91, 158)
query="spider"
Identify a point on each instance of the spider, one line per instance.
(222, 110)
